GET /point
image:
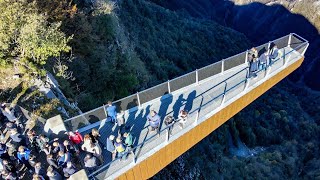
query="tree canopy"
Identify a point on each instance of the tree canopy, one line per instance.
(27, 34)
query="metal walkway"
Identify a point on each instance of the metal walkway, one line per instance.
(202, 92)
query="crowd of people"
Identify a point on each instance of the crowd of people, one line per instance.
(26, 153)
(259, 61)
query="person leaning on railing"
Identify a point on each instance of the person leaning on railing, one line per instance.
(253, 66)
(263, 59)
(182, 118)
(273, 53)
(154, 121)
(169, 121)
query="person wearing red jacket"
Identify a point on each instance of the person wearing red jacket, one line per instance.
(75, 137)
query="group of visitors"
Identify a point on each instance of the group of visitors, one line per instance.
(25, 151)
(261, 62)
(27, 148)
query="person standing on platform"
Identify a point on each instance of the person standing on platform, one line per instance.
(154, 121)
(111, 112)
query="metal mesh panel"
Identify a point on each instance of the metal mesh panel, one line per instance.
(95, 115)
(183, 81)
(295, 42)
(126, 103)
(281, 43)
(153, 92)
(76, 123)
(301, 48)
(209, 71)
(234, 61)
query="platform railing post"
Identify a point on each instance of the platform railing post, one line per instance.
(134, 157)
(247, 55)
(105, 111)
(197, 77)
(197, 117)
(268, 60)
(304, 51)
(169, 88)
(224, 94)
(284, 57)
(138, 98)
(222, 66)
(289, 41)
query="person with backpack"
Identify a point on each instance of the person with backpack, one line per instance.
(120, 148)
(154, 121)
(169, 121)
(111, 112)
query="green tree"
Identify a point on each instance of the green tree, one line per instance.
(26, 34)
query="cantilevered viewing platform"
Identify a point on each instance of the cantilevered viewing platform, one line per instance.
(211, 95)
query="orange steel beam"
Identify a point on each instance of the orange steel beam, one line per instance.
(153, 164)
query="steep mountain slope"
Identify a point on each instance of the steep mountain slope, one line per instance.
(138, 45)
(266, 19)
(281, 129)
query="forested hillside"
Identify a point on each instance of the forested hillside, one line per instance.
(138, 45)
(277, 136)
(108, 50)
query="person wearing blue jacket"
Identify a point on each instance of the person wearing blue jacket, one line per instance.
(111, 112)
(23, 155)
(154, 121)
(63, 159)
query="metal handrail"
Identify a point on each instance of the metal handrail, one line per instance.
(225, 91)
